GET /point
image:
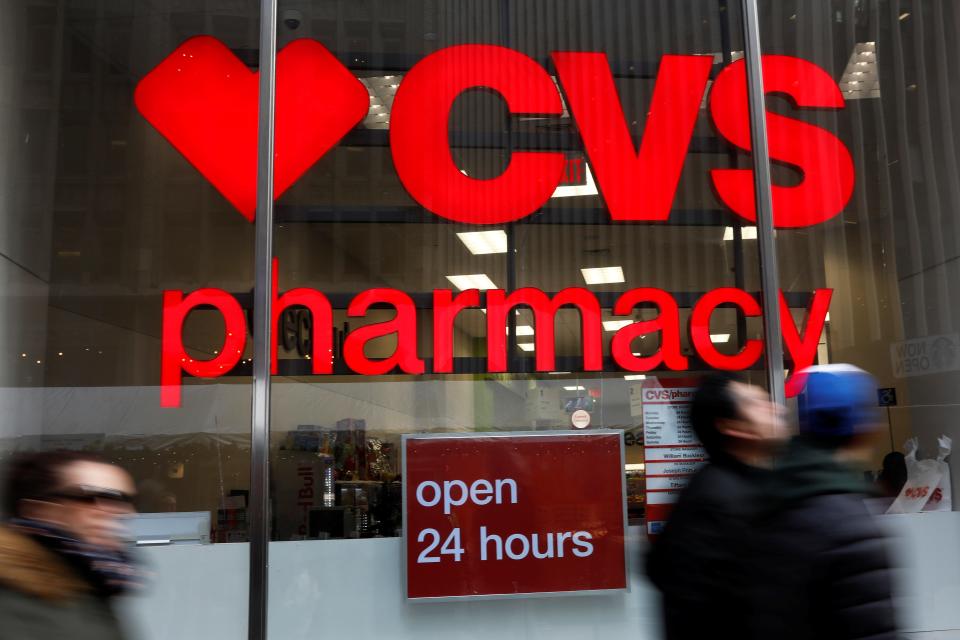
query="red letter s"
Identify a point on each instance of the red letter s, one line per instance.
(824, 160)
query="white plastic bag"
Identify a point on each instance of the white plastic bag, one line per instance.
(941, 498)
(923, 478)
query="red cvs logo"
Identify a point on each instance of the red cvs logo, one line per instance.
(203, 99)
(637, 184)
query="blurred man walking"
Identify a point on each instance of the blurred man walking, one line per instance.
(821, 566)
(698, 560)
(61, 557)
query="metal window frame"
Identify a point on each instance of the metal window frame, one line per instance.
(258, 514)
(769, 276)
(258, 522)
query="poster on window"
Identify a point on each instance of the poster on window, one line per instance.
(672, 452)
(514, 514)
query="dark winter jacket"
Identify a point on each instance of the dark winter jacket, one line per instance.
(43, 598)
(698, 561)
(821, 565)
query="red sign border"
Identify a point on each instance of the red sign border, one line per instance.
(404, 438)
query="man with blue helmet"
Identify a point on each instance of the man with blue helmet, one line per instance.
(821, 565)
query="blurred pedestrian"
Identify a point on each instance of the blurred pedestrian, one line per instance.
(61, 555)
(821, 565)
(698, 560)
(893, 474)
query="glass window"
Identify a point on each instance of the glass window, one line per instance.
(887, 254)
(358, 221)
(478, 205)
(102, 218)
(350, 225)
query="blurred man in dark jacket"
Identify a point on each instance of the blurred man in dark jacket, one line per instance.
(698, 562)
(61, 557)
(822, 569)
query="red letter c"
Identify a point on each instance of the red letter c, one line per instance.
(420, 144)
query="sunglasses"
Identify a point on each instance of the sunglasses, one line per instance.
(96, 496)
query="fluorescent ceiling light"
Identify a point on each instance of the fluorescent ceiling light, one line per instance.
(482, 243)
(523, 330)
(637, 466)
(615, 325)
(860, 79)
(576, 388)
(747, 233)
(559, 373)
(526, 346)
(589, 188)
(603, 275)
(719, 337)
(718, 56)
(826, 318)
(473, 281)
(638, 376)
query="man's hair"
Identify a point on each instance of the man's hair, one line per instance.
(713, 401)
(37, 475)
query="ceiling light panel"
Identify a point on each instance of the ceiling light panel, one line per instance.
(522, 330)
(603, 275)
(472, 281)
(588, 188)
(615, 325)
(860, 78)
(747, 233)
(481, 243)
(382, 89)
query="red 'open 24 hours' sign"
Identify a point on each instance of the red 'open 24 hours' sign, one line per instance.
(514, 513)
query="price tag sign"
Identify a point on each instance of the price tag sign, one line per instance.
(514, 514)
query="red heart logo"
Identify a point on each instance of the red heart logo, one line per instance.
(203, 99)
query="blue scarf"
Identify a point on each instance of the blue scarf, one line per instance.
(109, 572)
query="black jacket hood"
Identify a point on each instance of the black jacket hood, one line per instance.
(807, 469)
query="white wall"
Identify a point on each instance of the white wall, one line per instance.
(196, 592)
(354, 588)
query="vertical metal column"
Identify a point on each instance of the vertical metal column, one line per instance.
(769, 278)
(739, 274)
(259, 511)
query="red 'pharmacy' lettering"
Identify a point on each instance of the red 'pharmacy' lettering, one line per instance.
(801, 346)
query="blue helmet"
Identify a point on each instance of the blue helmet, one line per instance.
(837, 401)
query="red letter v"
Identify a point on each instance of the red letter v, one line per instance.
(803, 350)
(635, 186)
